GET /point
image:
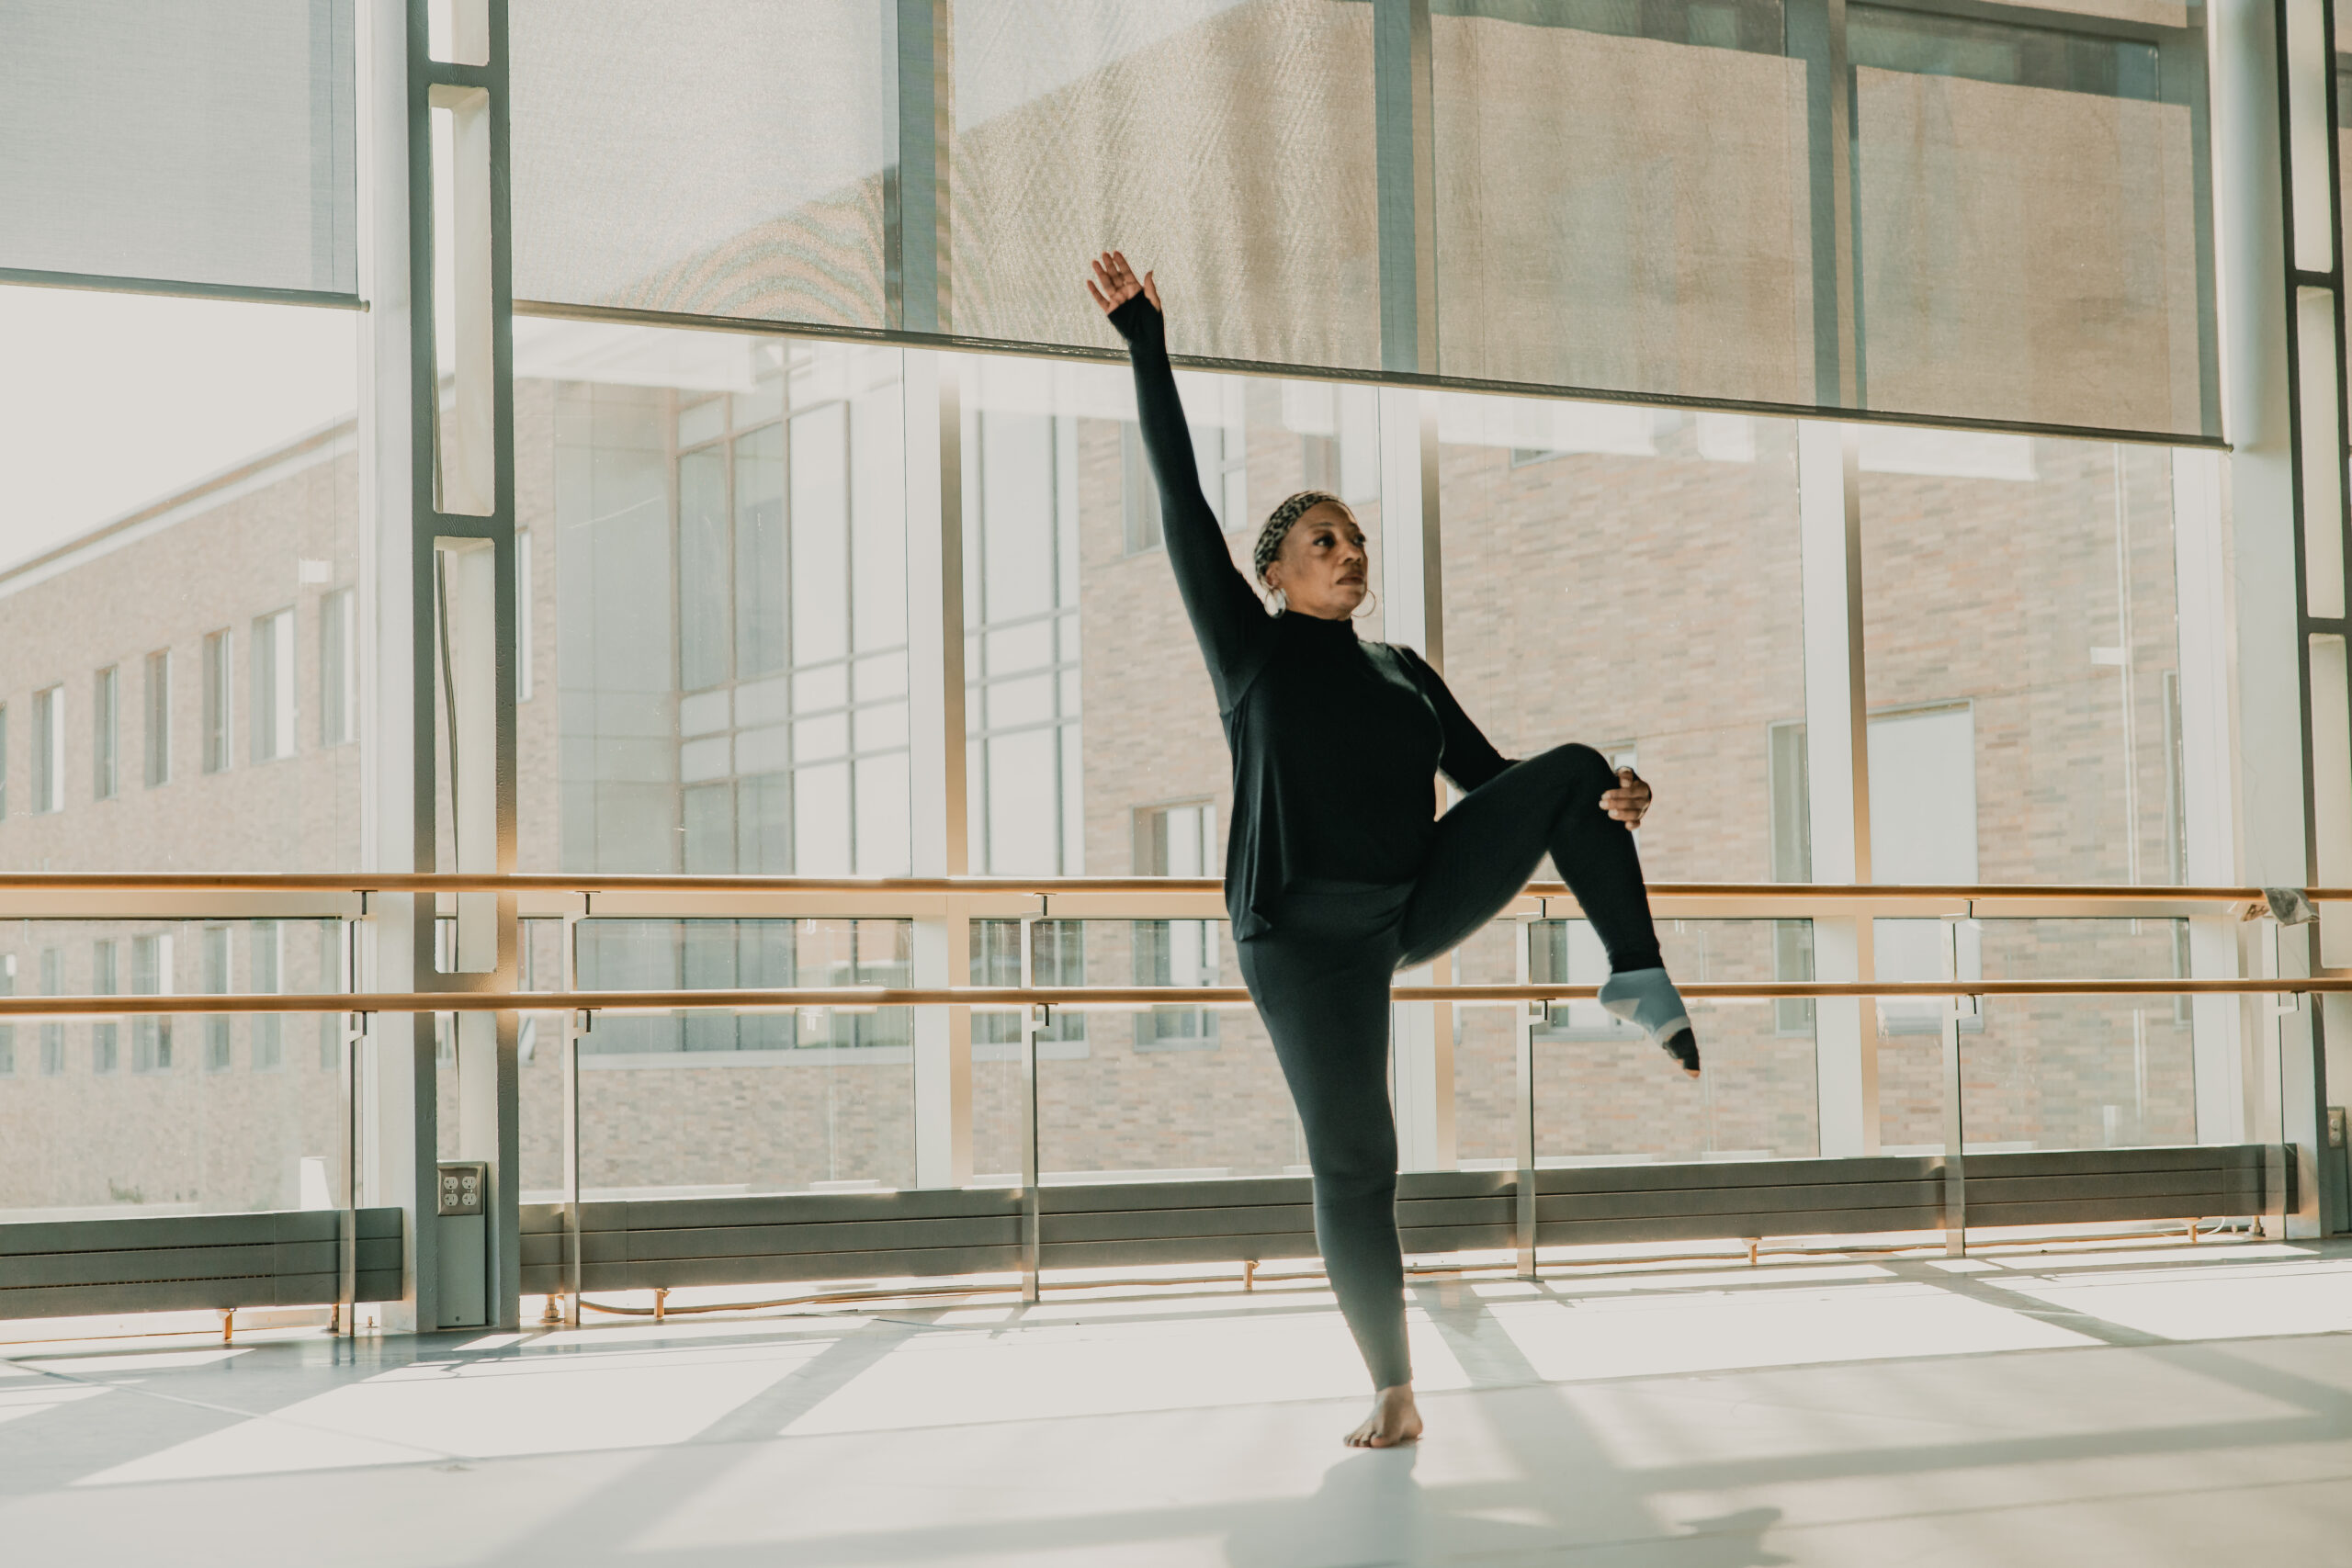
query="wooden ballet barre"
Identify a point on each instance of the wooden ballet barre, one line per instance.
(603, 881)
(787, 998)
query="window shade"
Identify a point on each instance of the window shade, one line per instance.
(1654, 201)
(206, 145)
(1229, 147)
(720, 159)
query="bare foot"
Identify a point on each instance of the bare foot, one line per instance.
(1395, 1420)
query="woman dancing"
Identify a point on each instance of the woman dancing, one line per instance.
(1338, 871)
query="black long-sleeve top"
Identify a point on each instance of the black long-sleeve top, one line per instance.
(1337, 742)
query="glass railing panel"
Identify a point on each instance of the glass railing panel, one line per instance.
(1605, 1094)
(710, 1103)
(1163, 1093)
(2039, 1072)
(170, 1114)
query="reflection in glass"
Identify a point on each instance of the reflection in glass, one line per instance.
(780, 520)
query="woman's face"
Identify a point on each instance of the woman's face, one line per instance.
(1322, 568)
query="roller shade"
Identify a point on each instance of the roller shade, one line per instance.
(208, 146)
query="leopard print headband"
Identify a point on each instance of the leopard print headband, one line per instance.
(1269, 538)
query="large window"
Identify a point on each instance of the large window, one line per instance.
(2019, 634)
(730, 560)
(1022, 629)
(1630, 578)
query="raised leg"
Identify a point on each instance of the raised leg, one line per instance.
(1492, 840)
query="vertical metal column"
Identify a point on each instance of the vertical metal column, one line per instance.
(942, 944)
(1955, 1118)
(1407, 179)
(461, 624)
(572, 1029)
(917, 279)
(1412, 601)
(1033, 1019)
(2316, 381)
(920, 298)
(1815, 33)
(2281, 405)
(1837, 768)
(1523, 1103)
(398, 1112)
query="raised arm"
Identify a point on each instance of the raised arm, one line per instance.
(1228, 619)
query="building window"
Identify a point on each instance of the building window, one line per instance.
(273, 726)
(52, 1035)
(1021, 592)
(3, 761)
(523, 672)
(338, 671)
(49, 750)
(219, 698)
(791, 631)
(7, 1030)
(1176, 841)
(159, 717)
(106, 1038)
(105, 694)
(151, 976)
(216, 981)
(269, 971)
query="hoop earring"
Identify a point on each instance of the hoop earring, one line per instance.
(1277, 603)
(1369, 606)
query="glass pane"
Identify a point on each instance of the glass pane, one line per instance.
(1540, 502)
(2027, 223)
(658, 165)
(1561, 521)
(1171, 1093)
(1048, 470)
(264, 394)
(2048, 1072)
(679, 737)
(1605, 1094)
(2020, 638)
(205, 1113)
(1593, 229)
(1229, 147)
(814, 1099)
(203, 144)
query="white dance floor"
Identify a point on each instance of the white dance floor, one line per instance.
(2149, 1405)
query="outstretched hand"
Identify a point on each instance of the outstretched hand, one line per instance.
(1114, 283)
(1628, 800)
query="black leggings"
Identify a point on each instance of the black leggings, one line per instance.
(1320, 979)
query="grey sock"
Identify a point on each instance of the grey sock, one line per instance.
(1648, 998)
